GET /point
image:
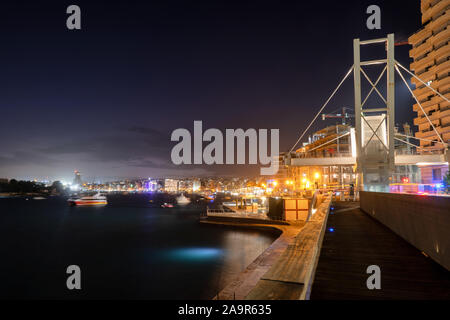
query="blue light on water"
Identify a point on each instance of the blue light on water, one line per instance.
(195, 254)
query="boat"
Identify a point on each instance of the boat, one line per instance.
(95, 200)
(167, 205)
(39, 198)
(182, 200)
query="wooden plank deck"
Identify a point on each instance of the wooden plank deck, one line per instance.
(240, 287)
(359, 241)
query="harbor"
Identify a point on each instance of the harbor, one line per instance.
(122, 248)
(226, 156)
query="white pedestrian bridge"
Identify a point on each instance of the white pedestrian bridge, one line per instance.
(400, 159)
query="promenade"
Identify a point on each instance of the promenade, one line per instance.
(243, 283)
(285, 270)
(358, 241)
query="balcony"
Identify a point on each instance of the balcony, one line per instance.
(444, 104)
(441, 53)
(422, 121)
(441, 37)
(442, 68)
(430, 134)
(427, 107)
(419, 36)
(425, 4)
(422, 91)
(423, 49)
(441, 20)
(424, 63)
(426, 76)
(425, 126)
(435, 8)
(445, 117)
(424, 95)
(442, 85)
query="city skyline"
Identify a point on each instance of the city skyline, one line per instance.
(214, 158)
(104, 99)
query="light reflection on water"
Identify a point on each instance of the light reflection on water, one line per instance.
(141, 253)
(194, 254)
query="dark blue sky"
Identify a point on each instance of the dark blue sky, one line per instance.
(105, 99)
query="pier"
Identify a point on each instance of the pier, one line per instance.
(285, 270)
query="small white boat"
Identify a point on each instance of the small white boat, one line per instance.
(182, 200)
(39, 198)
(95, 200)
(167, 205)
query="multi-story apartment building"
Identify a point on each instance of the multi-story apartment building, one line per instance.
(171, 185)
(431, 54)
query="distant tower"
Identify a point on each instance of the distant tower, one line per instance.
(77, 178)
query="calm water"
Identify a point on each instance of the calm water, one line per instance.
(123, 252)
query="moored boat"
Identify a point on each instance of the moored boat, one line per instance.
(95, 200)
(182, 200)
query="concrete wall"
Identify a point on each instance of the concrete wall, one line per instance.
(423, 221)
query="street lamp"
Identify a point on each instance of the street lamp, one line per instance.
(316, 178)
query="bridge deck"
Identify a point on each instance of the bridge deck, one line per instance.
(400, 159)
(359, 241)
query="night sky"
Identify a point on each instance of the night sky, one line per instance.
(105, 99)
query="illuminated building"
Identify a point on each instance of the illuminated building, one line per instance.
(77, 179)
(196, 184)
(151, 185)
(315, 146)
(170, 185)
(431, 54)
(328, 159)
(324, 144)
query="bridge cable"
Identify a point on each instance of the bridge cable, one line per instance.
(428, 86)
(412, 137)
(321, 109)
(417, 100)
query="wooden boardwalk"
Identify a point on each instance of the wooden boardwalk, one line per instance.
(359, 241)
(241, 286)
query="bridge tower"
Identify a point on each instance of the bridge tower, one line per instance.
(374, 127)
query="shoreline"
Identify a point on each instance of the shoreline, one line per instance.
(241, 285)
(286, 269)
